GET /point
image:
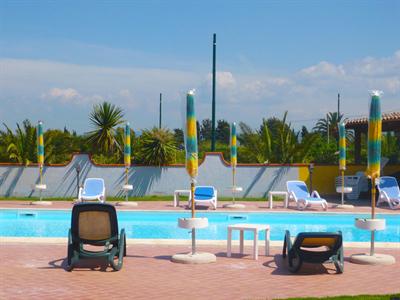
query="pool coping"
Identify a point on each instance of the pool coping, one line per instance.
(41, 240)
(215, 211)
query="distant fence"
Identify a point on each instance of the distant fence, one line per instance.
(255, 179)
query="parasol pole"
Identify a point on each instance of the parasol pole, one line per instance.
(193, 215)
(342, 154)
(233, 183)
(342, 187)
(373, 194)
(374, 153)
(191, 155)
(40, 148)
(126, 183)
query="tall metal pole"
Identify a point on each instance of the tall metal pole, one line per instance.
(327, 124)
(213, 95)
(338, 105)
(159, 124)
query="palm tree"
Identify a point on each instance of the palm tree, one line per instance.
(157, 147)
(256, 145)
(104, 118)
(275, 141)
(329, 122)
(21, 146)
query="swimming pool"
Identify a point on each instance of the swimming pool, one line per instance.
(163, 225)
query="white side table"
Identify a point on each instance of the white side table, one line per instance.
(177, 193)
(256, 228)
(277, 193)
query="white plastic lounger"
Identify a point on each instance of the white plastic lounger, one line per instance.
(204, 194)
(389, 192)
(93, 189)
(298, 192)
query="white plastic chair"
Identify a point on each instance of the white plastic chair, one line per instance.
(298, 192)
(93, 189)
(388, 192)
(204, 194)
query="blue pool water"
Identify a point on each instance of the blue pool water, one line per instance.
(163, 225)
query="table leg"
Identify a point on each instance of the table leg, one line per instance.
(267, 242)
(175, 200)
(286, 200)
(255, 245)
(228, 254)
(241, 241)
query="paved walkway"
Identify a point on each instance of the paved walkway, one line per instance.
(259, 206)
(33, 271)
(36, 271)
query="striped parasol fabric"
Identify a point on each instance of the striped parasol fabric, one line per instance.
(127, 146)
(191, 137)
(342, 146)
(233, 146)
(374, 136)
(40, 144)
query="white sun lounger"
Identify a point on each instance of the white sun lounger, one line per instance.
(298, 192)
(93, 189)
(389, 192)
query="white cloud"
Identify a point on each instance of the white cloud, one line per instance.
(307, 93)
(324, 69)
(64, 95)
(224, 79)
(125, 93)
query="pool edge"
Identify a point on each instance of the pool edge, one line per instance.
(63, 241)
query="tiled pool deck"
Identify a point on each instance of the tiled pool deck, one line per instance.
(35, 270)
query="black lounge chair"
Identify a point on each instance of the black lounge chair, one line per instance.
(95, 224)
(314, 247)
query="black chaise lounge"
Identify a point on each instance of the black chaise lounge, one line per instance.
(314, 247)
(95, 224)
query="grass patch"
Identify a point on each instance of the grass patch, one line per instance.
(358, 297)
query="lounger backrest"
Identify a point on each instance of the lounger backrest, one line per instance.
(390, 186)
(204, 192)
(93, 186)
(299, 188)
(317, 242)
(93, 222)
(332, 240)
(94, 225)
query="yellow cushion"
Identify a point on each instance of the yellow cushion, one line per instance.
(318, 241)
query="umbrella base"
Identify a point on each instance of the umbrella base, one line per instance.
(40, 202)
(344, 206)
(127, 203)
(197, 258)
(234, 206)
(376, 259)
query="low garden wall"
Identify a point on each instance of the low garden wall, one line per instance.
(255, 179)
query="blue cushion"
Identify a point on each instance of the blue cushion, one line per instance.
(203, 193)
(299, 189)
(93, 187)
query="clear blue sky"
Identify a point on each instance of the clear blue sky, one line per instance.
(272, 55)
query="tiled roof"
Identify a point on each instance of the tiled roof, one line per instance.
(392, 116)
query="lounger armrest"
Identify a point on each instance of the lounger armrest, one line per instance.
(215, 194)
(315, 194)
